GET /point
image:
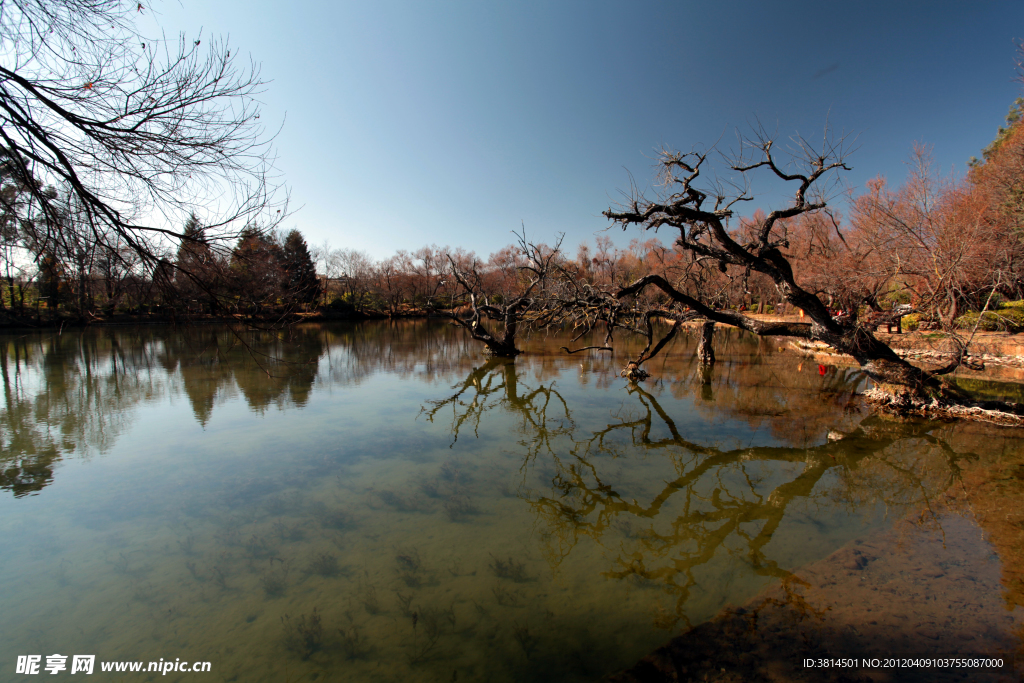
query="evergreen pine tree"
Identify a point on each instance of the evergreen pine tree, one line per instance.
(301, 282)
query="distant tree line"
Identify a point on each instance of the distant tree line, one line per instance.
(266, 272)
(945, 247)
(942, 246)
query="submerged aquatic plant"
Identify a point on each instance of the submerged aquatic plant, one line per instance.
(354, 644)
(147, 593)
(404, 603)
(526, 641)
(448, 615)
(275, 583)
(411, 580)
(508, 569)
(219, 577)
(289, 532)
(507, 491)
(458, 508)
(194, 571)
(426, 638)
(188, 545)
(506, 597)
(324, 564)
(432, 489)
(62, 573)
(370, 601)
(403, 503)
(337, 519)
(447, 483)
(449, 471)
(230, 534)
(409, 560)
(275, 505)
(410, 568)
(304, 636)
(423, 648)
(121, 563)
(257, 548)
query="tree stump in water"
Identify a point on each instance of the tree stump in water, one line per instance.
(705, 346)
(634, 373)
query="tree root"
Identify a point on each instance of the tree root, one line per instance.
(502, 350)
(634, 373)
(997, 412)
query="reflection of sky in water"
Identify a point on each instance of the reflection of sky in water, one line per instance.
(555, 542)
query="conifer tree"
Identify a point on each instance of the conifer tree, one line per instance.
(301, 282)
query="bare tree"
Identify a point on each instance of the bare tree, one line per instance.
(356, 269)
(391, 283)
(522, 275)
(700, 211)
(137, 131)
(935, 236)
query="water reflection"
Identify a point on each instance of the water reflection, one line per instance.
(542, 414)
(65, 393)
(76, 392)
(719, 501)
(380, 502)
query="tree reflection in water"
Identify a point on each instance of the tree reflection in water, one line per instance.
(685, 494)
(77, 391)
(495, 384)
(721, 500)
(64, 393)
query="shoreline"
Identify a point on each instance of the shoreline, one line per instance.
(1001, 353)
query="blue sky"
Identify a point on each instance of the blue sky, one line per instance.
(411, 123)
